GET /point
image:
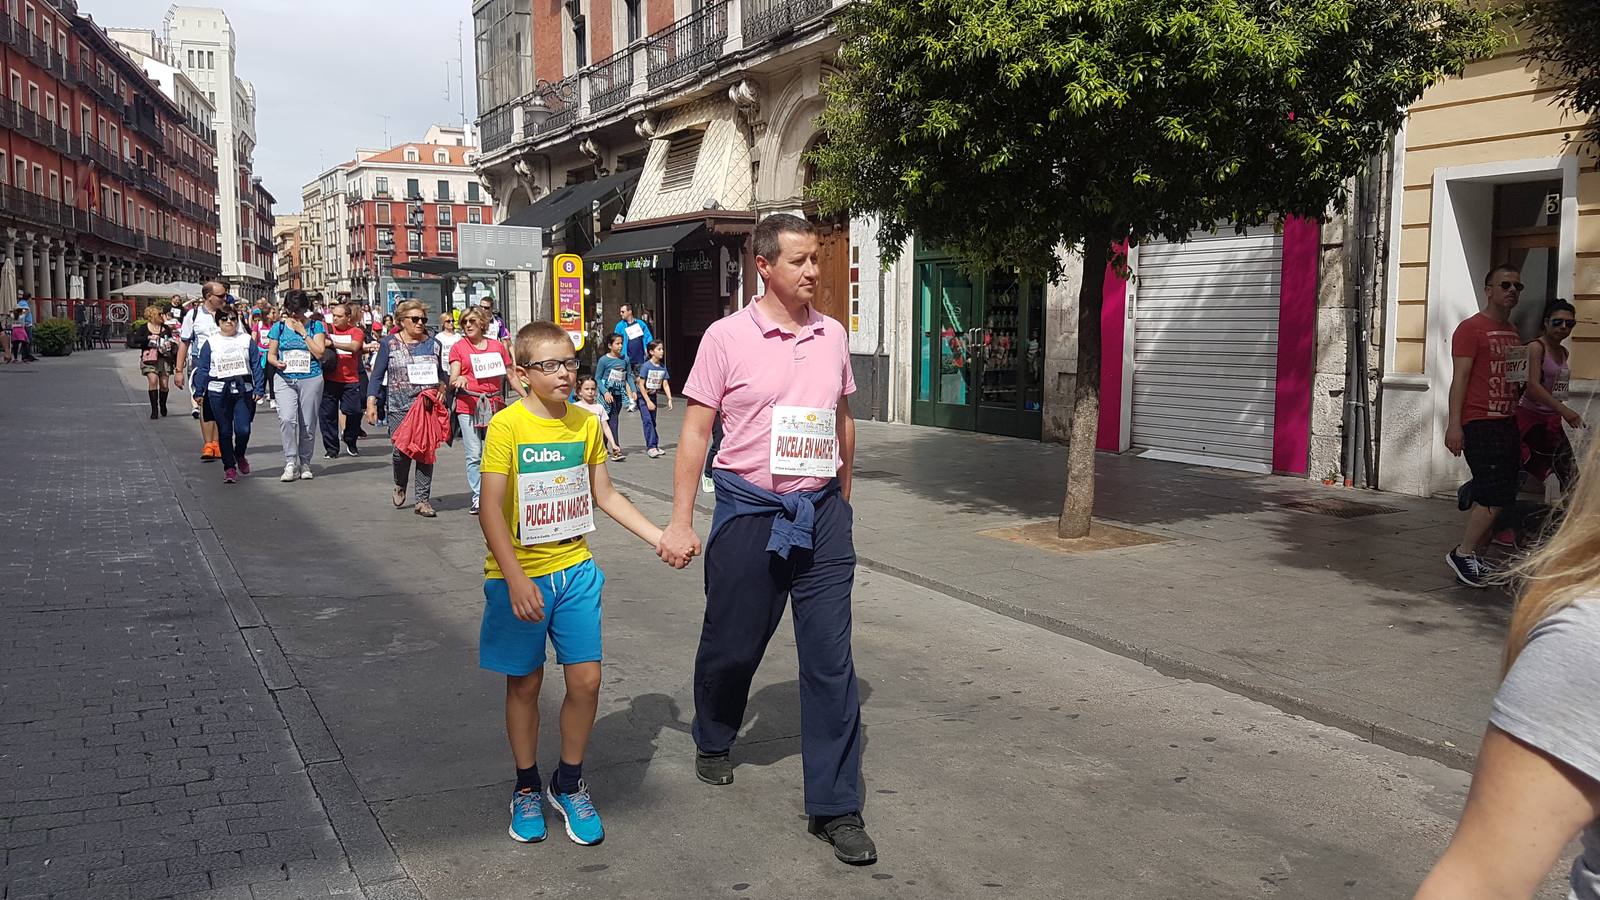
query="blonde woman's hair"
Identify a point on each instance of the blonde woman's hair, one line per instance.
(153, 310)
(407, 306)
(1567, 566)
(476, 314)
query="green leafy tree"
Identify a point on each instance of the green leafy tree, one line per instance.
(1003, 129)
(1566, 39)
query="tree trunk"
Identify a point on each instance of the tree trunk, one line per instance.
(1078, 506)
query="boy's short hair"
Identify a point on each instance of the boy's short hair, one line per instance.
(531, 335)
(651, 347)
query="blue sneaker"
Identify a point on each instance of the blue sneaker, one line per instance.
(527, 817)
(577, 810)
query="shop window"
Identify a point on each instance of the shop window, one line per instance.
(683, 152)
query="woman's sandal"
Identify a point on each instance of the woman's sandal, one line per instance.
(399, 498)
(425, 509)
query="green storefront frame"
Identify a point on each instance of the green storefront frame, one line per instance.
(978, 348)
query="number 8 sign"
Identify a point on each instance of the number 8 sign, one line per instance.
(569, 296)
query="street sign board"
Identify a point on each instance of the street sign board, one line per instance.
(569, 296)
(500, 248)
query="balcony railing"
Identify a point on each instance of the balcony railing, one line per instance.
(768, 18)
(561, 99)
(162, 248)
(88, 78)
(610, 81)
(107, 230)
(17, 203)
(100, 154)
(687, 45)
(495, 129)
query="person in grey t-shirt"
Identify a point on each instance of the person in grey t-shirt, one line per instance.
(1537, 785)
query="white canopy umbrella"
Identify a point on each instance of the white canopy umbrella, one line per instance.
(8, 286)
(146, 289)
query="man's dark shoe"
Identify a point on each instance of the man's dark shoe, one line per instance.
(847, 834)
(713, 768)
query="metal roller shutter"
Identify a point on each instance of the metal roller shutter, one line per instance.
(1206, 349)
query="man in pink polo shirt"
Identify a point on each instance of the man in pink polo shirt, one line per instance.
(778, 373)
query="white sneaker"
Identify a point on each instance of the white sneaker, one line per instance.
(272, 404)
(655, 453)
(305, 474)
(289, 474)
(707, 486)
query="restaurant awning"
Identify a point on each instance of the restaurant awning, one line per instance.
(640, 248)
(569, 201)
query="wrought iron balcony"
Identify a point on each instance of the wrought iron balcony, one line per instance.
(27, 123)
(561, 99)
(162, 248)
(495, 128)
(18, 203)
(764, 19)
(686, 46)
(610, 81)
(107, 230)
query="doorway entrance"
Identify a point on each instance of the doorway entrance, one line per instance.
(979, 346)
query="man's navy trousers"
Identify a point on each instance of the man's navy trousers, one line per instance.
(747, 587)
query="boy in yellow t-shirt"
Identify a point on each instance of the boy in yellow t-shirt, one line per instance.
(544, 472)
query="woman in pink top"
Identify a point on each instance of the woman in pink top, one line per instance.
(479, 367)
(1543, 409)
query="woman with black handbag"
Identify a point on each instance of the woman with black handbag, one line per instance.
(479, 370)
(157, 343)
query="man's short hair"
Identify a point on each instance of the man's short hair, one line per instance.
(766, 243)
(214, 289)
(531, 335)
(1488, 277)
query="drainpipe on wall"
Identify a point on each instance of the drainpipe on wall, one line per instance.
(877, 354)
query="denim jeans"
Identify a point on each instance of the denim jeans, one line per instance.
(614, 413)
(472, 449)
(233, 414)
(647, 418)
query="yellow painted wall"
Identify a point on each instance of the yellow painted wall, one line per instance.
(1497, 110)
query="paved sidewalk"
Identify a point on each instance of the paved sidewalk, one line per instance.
(1351, 622)
(1104, 778)
(144, 749)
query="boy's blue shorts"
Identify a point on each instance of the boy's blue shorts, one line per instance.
(508, 645)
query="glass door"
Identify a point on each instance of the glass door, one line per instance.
(946, 381)
(1011, 369)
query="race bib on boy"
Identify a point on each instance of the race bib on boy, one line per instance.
(1516, 365)
(804, 442)
(230, 365)
(635, 331)
(553, 498)
(488, 365)
(423, 370)
(297, 362)
(652, 380)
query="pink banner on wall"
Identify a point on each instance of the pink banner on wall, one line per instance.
(1297, 337)
(1113, 334)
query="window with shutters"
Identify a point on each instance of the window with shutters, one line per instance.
(682, 153)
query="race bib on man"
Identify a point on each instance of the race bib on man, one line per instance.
(423, 370)
(652, 381)
(488, 365)
(804, 442)
(1516, 365)
(635, 331)
(230, 365)
(553, 498)
(297, 362)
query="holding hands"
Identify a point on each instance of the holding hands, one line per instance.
(678, 545)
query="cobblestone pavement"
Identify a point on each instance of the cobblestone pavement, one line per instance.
(145, 748)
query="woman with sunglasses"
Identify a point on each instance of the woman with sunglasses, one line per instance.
(294, 349)
(408, 363)
(480, 367)
(1543, 409)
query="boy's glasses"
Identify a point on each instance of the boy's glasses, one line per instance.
(552, 366)
(1563, 323)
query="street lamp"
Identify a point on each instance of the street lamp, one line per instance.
(534, 113)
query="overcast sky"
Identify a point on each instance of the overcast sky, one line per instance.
(326, 72)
